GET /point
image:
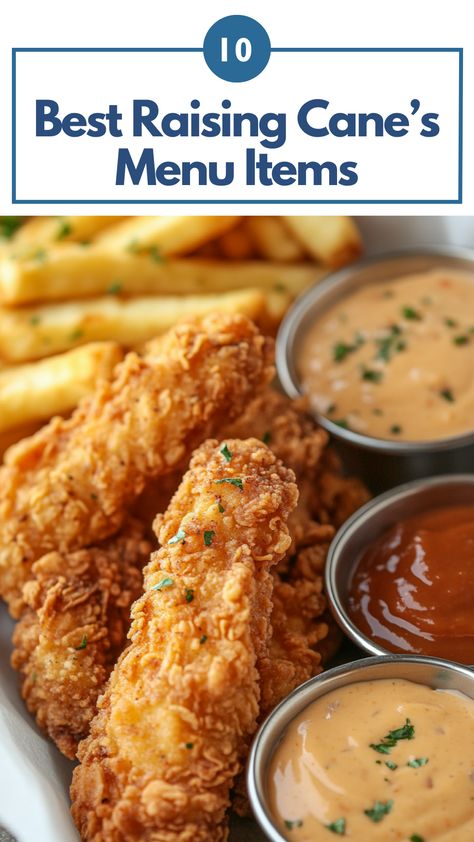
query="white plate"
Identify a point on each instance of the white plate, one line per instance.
(34, 777)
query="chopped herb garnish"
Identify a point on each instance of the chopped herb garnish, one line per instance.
(82, 644)
(8, 226)
(76, 334)
(39, 255)
(341, 349)
(267, 437)
(391, 765)
(189, 594)
(401, 345)
(279, 287)
(189, 745)
(203, 639)
(64, 230)
(395, 429)
(165, 583)
(338, 827)
(85, 243)
(180, 536)
(156, 255)
(417, 762)
(133, 246)
(447, 395)
(94, 496)
(379, 810)
(415, 837)
(388, 344)
(377, 411)
(406, 732)
(331, 408)
(411, 314)
(292, 824)
(371, 374)
(450, 323)
(226, 453)
(209, 537)
(35, 320)
(462, 339)
(342, 422)
(232, 481)
(221, 508)
(115, 288)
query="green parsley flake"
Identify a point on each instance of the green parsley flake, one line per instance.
(395, 429)
(64, 230)
(386, 345)
(370, 374)
(267, 437)
(417, 762)
(232, 481)
(450, 323)
(278, 287)
(391, 765)
(406, 732)
(447, 395)
(462, 339)
(76, 334)
(115, 288)
(189, 745)
(338, 827)
(178, 538)
(415, 837)
(342, 349)
(411, 314)
(156, 255)
(226, 453)
(290, 825)
(133, 246)
(8, 226)
(82, 644)
(165, 583)
(379, 810)
(35, 320)
(221, 508)
(203, 639)
(189, 594)
(342, 422)
(209, 537)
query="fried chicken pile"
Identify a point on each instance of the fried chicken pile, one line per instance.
(233, 615)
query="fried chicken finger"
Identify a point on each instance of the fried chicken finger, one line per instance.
(182, 703)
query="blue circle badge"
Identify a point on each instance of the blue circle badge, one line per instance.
(237, 48)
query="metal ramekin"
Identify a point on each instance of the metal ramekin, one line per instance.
(432, 672)
(382, 463)
(368, 523)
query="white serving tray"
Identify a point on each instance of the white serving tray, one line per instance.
(34, 777)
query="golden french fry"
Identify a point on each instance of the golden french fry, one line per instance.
(73, 271)
(276, 305)
(333, 240)
(15, 435)
(236, 244)
(165, 235)
(35, 332)
(36, 392)
(41, 231)
(273, 239)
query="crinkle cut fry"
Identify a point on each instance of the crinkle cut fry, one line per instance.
(177, 716)
(68, 641)
(71, 484)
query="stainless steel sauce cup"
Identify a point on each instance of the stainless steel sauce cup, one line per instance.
(381, 463)
(431, 672)
(368, 523)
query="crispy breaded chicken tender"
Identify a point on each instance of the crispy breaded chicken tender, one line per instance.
(68, 641)
(181, 705)
(71, 484)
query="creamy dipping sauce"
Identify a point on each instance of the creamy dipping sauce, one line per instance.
(377, 761)
(412, 589)
(395, 360)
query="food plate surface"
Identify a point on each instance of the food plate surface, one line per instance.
(34, 777)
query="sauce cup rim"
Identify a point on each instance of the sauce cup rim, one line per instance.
(265, 741)
(369, 510)
(309, 300)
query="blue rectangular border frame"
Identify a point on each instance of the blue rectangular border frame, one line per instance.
(457, 201)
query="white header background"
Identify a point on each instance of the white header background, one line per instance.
(338, 23)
